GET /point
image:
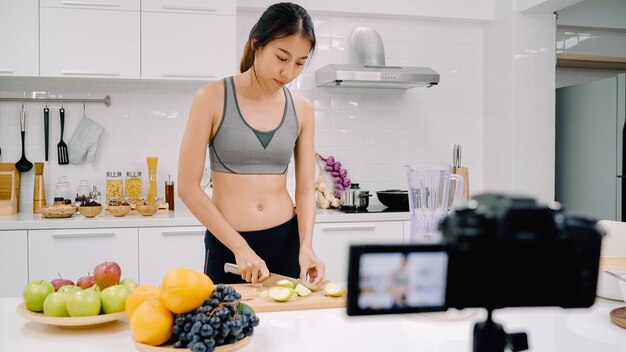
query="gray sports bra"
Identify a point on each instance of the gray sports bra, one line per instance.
(239, 148)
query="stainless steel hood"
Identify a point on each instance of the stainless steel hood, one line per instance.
(371, 72)
(361, 76)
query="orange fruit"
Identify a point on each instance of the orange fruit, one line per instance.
(138, 296)
(182, 290)
(152, 323)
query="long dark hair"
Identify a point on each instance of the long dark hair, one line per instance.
(278, 21)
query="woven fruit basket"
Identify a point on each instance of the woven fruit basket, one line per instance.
(58, 211)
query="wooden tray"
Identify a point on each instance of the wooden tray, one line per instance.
(69, 322)
(168, 348)
(251, 295)
(618, 316)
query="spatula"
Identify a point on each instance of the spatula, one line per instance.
(63, 155)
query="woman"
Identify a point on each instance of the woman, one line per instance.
(253, 126)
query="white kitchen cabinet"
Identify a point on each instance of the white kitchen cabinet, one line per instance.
(407, 232)
(76, 252)
(13, 262)
(162, 249)
(214, 7)
(19, 38)
(331, 242)
(98, 41)
(187, 46)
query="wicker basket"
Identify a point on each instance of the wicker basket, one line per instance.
(58, 211)
(118, 210)
(90, 211)
(147, 210)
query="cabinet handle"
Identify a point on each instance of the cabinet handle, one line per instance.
(182, 233)
(203, 75)
(70, 72)
(83, 235)
(7, 70)
(89, 3)
(350, 228)
(190, 8)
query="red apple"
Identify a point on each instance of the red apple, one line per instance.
(60, 282)
(107, 274)
(86, 281)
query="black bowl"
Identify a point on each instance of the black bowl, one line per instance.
(394, 198)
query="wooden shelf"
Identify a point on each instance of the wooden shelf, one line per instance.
(591, 62)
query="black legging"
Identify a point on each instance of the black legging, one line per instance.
(278, 246)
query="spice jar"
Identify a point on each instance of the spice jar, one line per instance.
(113, 186)
(133, 186)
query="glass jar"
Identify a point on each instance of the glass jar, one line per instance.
(62, 189)
(133, 186)
(113, 186)
(83, 188)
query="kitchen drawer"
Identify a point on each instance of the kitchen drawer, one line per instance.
(331, 242)
(75, 253)
(212, 7)
(118, 5)
(162, 249)
(13, 262)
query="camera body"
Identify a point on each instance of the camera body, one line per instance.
(497, 251)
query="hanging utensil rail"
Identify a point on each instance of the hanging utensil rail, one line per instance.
(106, 100)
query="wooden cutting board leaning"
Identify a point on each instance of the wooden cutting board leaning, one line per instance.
(251, 295)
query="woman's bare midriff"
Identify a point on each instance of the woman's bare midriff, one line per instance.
(252, 202)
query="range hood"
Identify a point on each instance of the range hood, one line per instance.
(372, 72)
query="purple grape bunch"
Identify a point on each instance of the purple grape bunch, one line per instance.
(339, 174)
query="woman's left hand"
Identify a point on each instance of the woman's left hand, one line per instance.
(312, 269)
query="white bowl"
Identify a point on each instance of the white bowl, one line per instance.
(609, 286)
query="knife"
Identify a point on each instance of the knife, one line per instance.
(272, 279)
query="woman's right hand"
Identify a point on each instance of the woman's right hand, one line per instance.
(253, 268)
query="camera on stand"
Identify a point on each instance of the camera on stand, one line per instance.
(497, 251)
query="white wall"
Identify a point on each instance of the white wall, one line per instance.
(595, 13)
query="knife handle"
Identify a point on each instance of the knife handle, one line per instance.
(231, 268)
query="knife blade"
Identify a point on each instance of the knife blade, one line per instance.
(273, 278)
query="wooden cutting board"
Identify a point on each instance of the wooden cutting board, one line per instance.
(251, 295)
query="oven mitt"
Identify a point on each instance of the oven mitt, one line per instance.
(84, 141)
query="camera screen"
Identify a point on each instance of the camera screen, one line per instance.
(397, 279)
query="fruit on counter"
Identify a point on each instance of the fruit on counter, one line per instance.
(280, 294)
(302, 291)
(107, 274)
(86, 281)
(131, 284)
(182, 290)
(138, 296)
(285, 283)
(84, 303)
(57, 283)
(151, 323)
(334, 289)
(114, 298)
(35, 293)
(69, 289)
(55, 304)
(220, 320)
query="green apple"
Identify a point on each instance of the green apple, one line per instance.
(334, 289)
(55, 304)
(302, 291)
(285, 283)
(114, 298)
(35, 294)
(131, 284)
(69, 288)
(280, 294)
(84, 303)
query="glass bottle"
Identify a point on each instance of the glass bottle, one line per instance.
(169, 193)
(133, 186)
(62, 189)
(113, 186)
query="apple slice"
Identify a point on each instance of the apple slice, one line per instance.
(280, 294)
(334, 289)
(284, 283)
(302, 291)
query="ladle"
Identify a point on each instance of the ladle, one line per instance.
(23, 165)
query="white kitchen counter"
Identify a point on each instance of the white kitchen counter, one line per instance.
(29, 221)
(549, 329)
